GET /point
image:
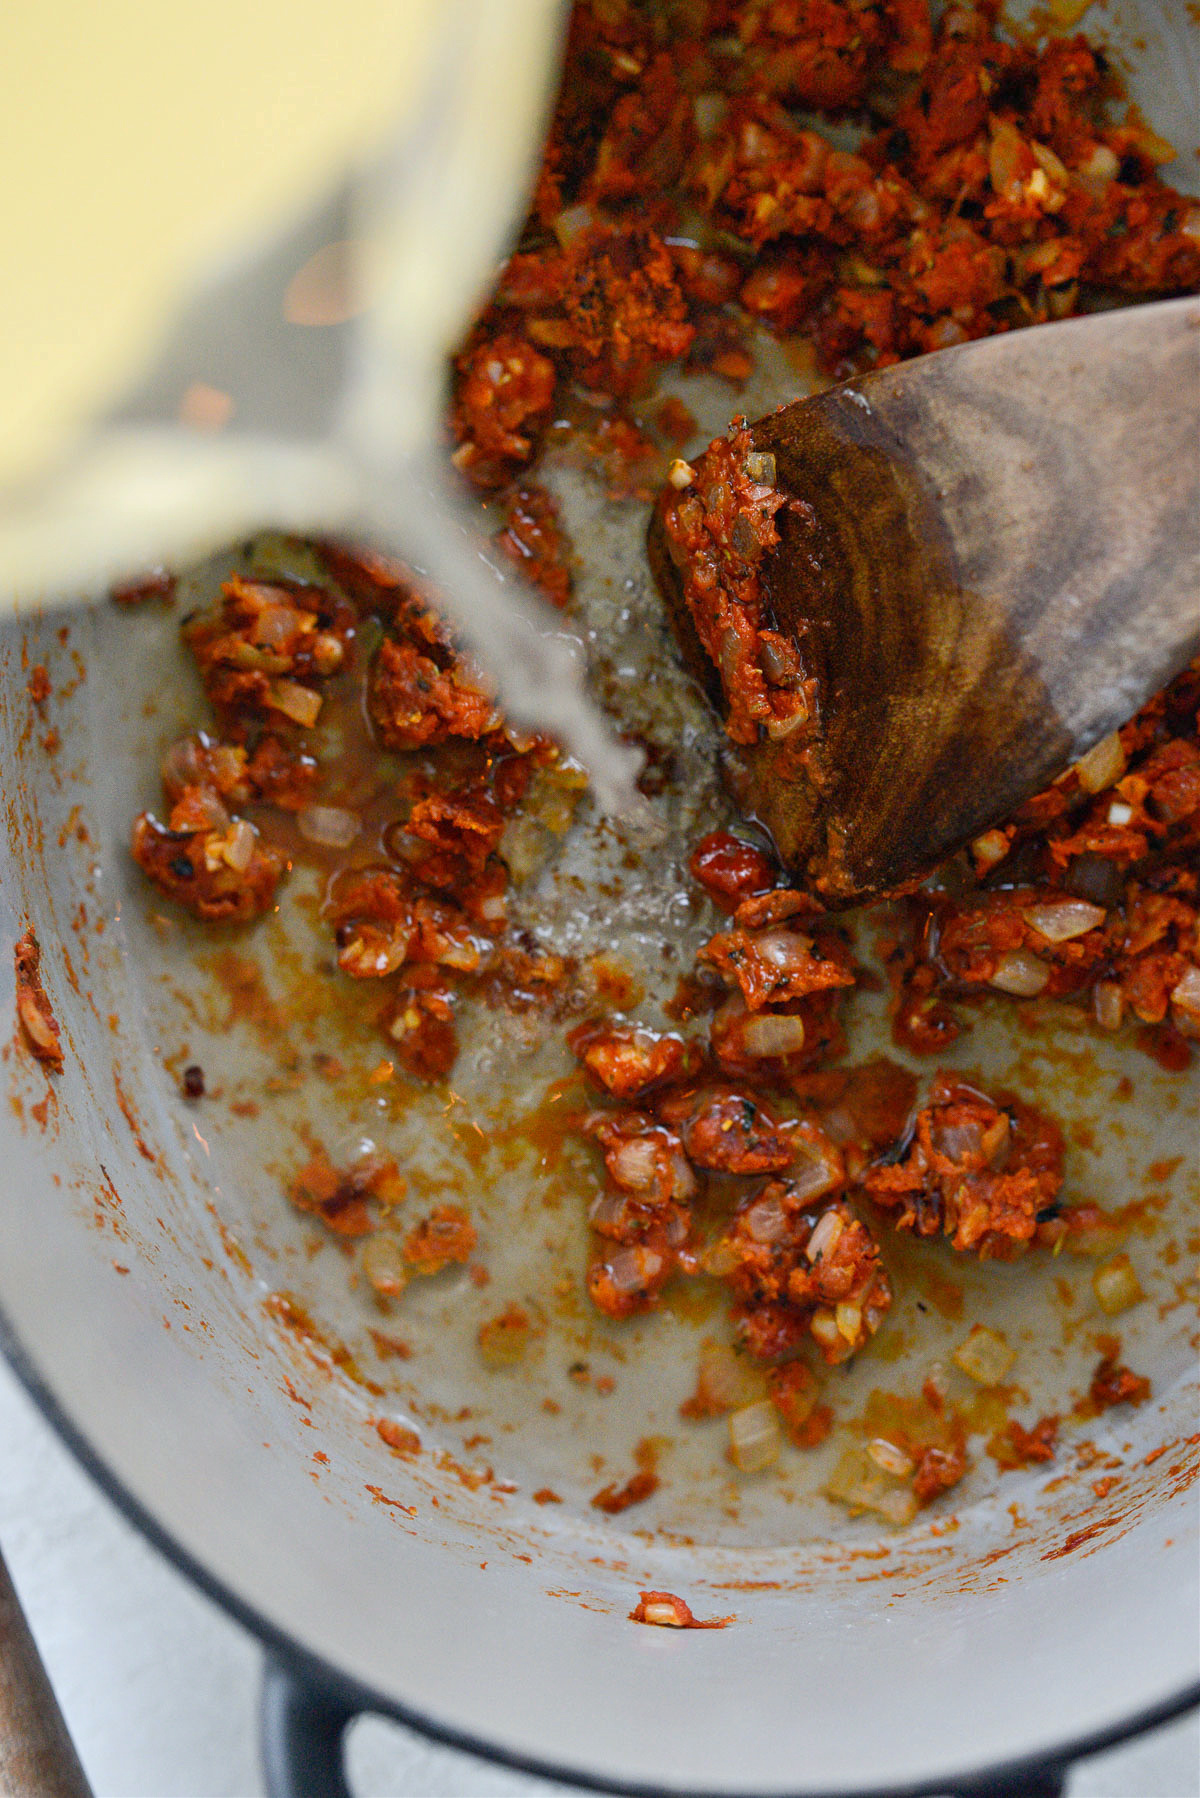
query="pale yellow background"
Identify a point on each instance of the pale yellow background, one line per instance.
(138, 140)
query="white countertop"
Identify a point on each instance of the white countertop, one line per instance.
(160, 1688)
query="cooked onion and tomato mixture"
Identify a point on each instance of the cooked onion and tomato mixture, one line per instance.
(860, 184)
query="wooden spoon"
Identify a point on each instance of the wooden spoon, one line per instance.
(996, 563)
(37, 1756)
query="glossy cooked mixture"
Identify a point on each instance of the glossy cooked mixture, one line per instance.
(853, 178)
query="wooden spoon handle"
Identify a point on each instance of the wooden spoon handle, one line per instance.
(37, 1755)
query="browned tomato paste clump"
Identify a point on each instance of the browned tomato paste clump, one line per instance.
(982, 1173)
(1015, 1446)
(534, 541)
(802, 1272)
(38, 1021)
(670, 1612)
(1112, 1383)
(342, 1198)
(719, 527)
